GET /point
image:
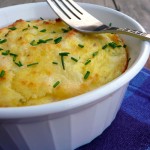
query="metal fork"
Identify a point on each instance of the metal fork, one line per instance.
(79, 19)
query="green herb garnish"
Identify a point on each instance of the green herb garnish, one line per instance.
(74, 59)
(110, 24)
(57, 40)
(35, 27)
(105, 46)
(24, 29)
(95, 53)
(55, 63)
(66, 30)
(56, 84)
(80, 45)
(125, 46)
(64, 54)
(2, 73)
(129, 59)
(87, 62)
(87, 75)
(14, 56)
(6, 34)
(114, 45)
(1, 49)
(19, 64)
(43, 41)
(12, 28)
(44, 30)
(41, 18)
(62, 58)
(33, 43)
(32, 64)
(3, 41)
(6, 52)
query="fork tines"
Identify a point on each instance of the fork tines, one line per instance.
(71, 13)
(67, 8)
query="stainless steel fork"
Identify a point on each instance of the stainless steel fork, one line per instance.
(79, 19)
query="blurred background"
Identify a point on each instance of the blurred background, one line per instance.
(137, 9)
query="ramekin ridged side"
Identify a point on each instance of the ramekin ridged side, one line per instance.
(62, 133)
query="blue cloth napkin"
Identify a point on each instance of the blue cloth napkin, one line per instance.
(131, 128)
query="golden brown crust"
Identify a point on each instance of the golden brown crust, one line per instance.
(42, 61)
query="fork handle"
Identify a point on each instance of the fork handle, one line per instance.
(135, 33)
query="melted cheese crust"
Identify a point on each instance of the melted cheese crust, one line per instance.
(45, 61)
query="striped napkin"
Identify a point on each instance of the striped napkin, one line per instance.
(131, 128)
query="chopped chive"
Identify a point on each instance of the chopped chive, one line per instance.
(28, 25)
(44, 30)
(129, 59)
(119, 45)
(55, 63)
(74, 59)
(1, 49)
(64, 54)
(87, 62)
(3, 41)
(14, 58)
(6, 52)
(35, 27)
(110, 24)
(12, 54)
(2, 73)
(95, 53)
(62, 58)
(24, 29)
(65, 30)
(12, 28)
(41, 18)
(112, 44)
(32, 64)
(57, 40)
(19, 64)
(125, 46)
(62, 62)
(33, 43)
(80, 45)
(48, 40)
(70, 28)
(87, 75)
(56, 84)
(105, 46)
(43, 41)
(6, 34)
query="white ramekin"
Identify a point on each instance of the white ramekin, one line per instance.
(70, 123)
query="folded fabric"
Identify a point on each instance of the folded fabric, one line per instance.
(131, 128)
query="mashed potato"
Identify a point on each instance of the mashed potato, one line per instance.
(43, 61)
